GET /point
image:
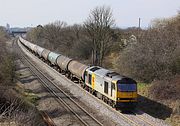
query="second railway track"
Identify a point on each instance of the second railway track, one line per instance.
(82, 115)
(136, 119)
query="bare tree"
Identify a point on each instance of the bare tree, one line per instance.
(98, 26)
(52, 32)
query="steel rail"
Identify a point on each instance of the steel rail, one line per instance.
(47, 119)
(143, 118)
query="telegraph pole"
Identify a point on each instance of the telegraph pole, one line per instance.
(139, 27)
(139, 23)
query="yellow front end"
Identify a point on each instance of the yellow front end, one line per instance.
(126, 100)
(126, 96)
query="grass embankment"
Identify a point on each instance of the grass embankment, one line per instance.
(20, 107)
(163, 105)
(18, 104)
(27, 95)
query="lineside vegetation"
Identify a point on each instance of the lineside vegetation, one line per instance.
(15, 108)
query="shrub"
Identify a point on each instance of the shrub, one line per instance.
(166, 89)
(6, 64)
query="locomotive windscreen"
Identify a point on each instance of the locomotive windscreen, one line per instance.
(126, 81)
(127, 87)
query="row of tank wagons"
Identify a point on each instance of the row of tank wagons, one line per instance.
(72, 68)
(118, 91)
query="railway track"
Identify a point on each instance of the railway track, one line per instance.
(47, 119)
(132, 118)
(138, 114)
(82, 115)
(136, 119)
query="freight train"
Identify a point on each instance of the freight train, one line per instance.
(114, 89)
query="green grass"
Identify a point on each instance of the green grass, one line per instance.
(31, 97)
(141, 85)
(143, 88)
(27, 94)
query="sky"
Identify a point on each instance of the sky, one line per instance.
(30, 13)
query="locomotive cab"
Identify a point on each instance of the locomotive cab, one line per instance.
(126, 93)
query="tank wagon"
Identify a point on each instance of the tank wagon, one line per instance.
(76, 69)
(39, 51)
(32, 47)
(63, 62)
(52, 57)
(45, 54)
(35, 49)
(114, 89)
(24, 42)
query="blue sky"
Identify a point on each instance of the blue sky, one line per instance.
(25, 13)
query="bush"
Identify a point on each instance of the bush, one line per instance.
(6, 64)
(7, 70)
(166, 89)
(14, 109)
